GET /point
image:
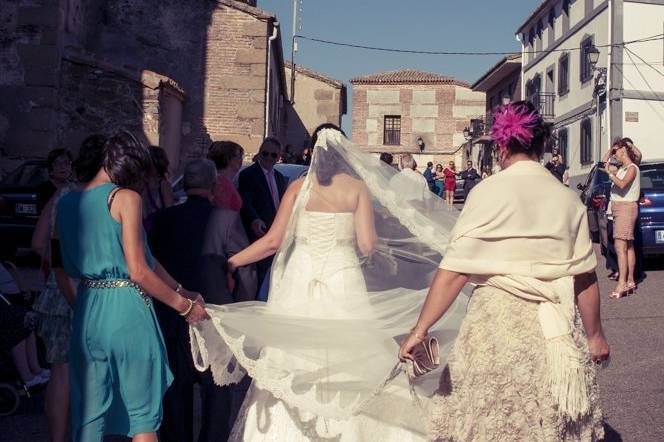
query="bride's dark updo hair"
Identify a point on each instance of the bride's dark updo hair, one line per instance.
(127, 161)
(519, 128)
(328, 162)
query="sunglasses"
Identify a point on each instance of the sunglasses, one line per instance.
(268, 154)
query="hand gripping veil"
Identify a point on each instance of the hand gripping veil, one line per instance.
(328, 338)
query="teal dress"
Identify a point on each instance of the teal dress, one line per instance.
(118, 364)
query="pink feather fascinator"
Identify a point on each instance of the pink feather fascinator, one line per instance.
(514, 122)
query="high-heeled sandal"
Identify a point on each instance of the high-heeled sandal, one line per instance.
(632, 287)
(622, 293)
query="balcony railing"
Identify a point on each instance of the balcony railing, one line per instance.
(545, 104)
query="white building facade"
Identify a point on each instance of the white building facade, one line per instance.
(622, 97)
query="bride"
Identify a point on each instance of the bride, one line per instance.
(354, 257)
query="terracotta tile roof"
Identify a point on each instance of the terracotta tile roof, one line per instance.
(407, 76)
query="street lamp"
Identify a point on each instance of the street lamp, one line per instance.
(598, 91)
(420, 144)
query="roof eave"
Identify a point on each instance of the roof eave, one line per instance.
(534, 15)
(501, 70)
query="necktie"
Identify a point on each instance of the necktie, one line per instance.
(272, 184)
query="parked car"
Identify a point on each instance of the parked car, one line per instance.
(651, 210)
(18, 205)
(593, 196)
(290, 171)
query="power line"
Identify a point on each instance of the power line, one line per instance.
(629, 51)
(420, 52)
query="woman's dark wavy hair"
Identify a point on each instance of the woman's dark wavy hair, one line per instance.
(126, 161)
(525, 114)
(628, 144)
(54, 154)
(328, 162)
(160, 161)
(90, 158)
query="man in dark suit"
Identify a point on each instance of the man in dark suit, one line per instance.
(193, 242)
(470, 178)
(261, 188)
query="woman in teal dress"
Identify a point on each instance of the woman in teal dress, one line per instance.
(118, 367)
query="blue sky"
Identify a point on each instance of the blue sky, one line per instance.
(463, 25)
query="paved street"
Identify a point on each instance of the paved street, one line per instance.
(632, 386)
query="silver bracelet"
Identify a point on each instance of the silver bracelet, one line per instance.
(178, 289)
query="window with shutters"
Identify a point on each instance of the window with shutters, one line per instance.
(586, 141)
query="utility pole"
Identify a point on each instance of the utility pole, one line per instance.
(294, 50)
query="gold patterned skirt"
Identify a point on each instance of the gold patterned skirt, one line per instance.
(494, 387)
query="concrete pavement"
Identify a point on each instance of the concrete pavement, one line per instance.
(632, 387)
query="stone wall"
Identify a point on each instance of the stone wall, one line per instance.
(436, 112)
(317, 101)
(30, 46)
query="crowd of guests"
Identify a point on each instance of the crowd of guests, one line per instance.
(94, 212)
(441, 180)
(108, 234)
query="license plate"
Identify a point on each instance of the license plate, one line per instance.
(659, 236)
(26, 209)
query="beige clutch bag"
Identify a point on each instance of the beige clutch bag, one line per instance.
(427, 358)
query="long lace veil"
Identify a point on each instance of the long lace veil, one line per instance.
(328, 338)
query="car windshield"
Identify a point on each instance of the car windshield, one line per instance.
(27, 175)
(652, 177)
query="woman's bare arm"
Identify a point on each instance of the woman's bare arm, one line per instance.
(365, 227)
(586, 290)
(445, 288)
(271, 241)
(127, 210)
(42, 235)
(167, 193)
(622, 183)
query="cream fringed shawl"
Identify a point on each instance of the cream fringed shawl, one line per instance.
(523, 232)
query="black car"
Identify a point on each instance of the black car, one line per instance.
(18, 205)
(593, 196)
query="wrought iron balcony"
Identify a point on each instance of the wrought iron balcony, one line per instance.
(544, 103)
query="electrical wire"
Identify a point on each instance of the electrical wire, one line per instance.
(420, 52)
(629, 51)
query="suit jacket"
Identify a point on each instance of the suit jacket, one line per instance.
(179, 240)
(470, 177)
(256, 197)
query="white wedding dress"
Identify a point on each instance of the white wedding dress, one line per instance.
(322, 352)
(325, 255)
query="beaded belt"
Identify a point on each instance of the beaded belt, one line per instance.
(116, 283)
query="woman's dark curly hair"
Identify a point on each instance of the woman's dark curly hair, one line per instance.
(90, 158)
(160, 161)
(520, 128)
(328, 162)
(126, 160)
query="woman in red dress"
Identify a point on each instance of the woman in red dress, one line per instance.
(450, 182)
(227, 156)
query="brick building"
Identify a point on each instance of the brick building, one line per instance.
(183, 73)
(391, 110)
(318, 99)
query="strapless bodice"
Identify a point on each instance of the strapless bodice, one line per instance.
(325, 230)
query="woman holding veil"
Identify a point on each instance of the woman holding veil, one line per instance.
(355, 254)
(521, 367)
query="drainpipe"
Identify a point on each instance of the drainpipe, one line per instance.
(609, 70)
(275, 33)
